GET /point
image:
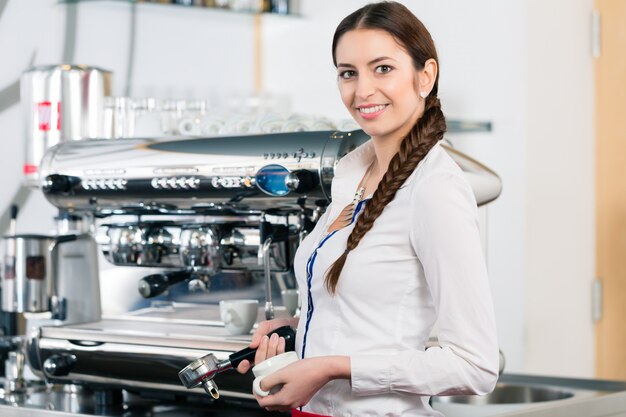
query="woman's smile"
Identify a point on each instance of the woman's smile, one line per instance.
(371, 111)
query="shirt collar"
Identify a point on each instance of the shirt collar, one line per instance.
(349, 171)
(352, 167)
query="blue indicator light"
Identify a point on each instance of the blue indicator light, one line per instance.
(271, 180)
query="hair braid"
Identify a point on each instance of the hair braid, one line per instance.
(428, 130)
(397, 20)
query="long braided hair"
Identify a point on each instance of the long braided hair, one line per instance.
(412, 35)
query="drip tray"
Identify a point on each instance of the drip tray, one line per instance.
(194, 326)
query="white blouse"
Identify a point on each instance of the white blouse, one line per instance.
(421, 264)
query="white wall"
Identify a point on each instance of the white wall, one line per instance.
(560, 224)
(501, 61)
(25, 32)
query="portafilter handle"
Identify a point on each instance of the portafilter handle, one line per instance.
(203, 370)
(248, 353)
(156, 284)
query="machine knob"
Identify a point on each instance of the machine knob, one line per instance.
(59, 365)
(59, 184)
(301, 181)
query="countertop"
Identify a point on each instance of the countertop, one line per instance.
(592, 398)
(68, 400)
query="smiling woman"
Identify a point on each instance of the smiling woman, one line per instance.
(381, 79)
(397, 251)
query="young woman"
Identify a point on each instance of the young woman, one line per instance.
(397, 251)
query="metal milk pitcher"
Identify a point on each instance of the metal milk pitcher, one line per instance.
(30, 273)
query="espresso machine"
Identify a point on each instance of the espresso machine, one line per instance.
(222, 214)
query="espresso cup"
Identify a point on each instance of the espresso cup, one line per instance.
(268, 367)
(239, 315)
(291, 301)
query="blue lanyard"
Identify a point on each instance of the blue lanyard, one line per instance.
(309, 277)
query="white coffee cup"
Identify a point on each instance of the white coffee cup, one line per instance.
(239, 315)
(268, 367)
(291, 301)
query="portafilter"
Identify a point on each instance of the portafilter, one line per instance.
(203, 370)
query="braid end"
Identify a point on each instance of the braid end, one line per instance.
(332, 275)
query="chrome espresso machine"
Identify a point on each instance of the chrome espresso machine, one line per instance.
(220, 215)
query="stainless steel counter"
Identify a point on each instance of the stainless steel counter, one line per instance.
(583, 398)
(67, 400)
(556, 397)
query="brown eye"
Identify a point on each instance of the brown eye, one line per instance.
(346, 75)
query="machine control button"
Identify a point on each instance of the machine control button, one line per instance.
(298, 155)
(301, 181)
(174, 183)
(191, 182)
(120, 184)
(231, 182)
(248, 182)
(180, 183)
(59, 364)
(105, 184)
(292, 181)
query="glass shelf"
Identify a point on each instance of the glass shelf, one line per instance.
(462, 126)
(276, 8)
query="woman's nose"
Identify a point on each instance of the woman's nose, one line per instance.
(365, 87)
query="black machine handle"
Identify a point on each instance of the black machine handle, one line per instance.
(248, 353)
(59, 184)
(156, 284)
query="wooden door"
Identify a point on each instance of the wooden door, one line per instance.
(610, 81)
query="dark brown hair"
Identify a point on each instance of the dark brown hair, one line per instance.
(410, 33)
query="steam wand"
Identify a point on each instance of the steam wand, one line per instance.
(265, 254)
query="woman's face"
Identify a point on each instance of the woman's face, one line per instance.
(379, 84)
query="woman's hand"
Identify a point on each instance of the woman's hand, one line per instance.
(301, 380)
(267, 346)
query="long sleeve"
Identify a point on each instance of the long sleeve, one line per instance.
(444, 235)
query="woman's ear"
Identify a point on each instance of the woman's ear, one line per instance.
(426, 77)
